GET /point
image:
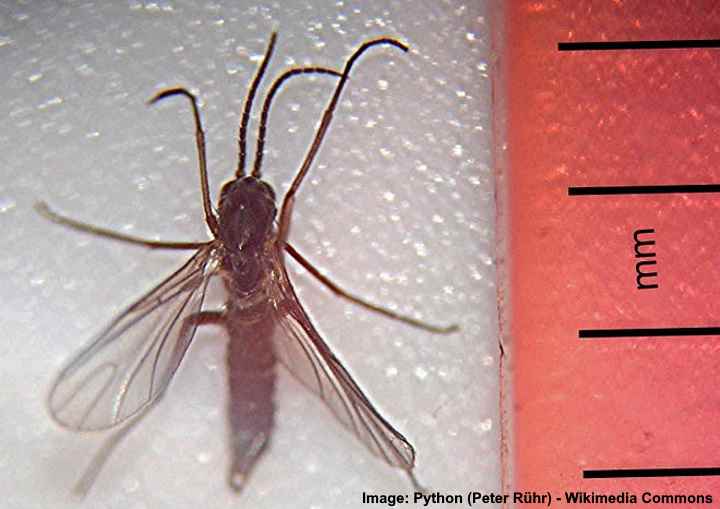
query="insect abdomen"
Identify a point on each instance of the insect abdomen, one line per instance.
(251, 373)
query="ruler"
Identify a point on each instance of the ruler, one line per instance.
(612, 196)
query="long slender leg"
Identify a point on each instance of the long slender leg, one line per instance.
(86, 481)
(210, 218)
(214, 317)
(416, 484)
(289, 199)
(245, 119)
(84, 484)
(44, 210)
(362, 303)
(259, 151)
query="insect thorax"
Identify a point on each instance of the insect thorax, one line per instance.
(247, 211)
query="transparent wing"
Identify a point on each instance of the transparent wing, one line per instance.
(303, 352)
(128, 366)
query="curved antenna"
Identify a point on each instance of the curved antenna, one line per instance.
(289, 199)
(210, 218)
(260, 148)
(247, 106)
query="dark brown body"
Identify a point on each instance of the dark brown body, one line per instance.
(127, 368)
(251, 365)
(247, 212)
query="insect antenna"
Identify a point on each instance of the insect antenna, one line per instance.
(260, 148)
(322, 130)
(247, 106)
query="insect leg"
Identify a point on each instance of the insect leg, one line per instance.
(86, 481)
(216, 317)
(362, 303)
(44, 210)
(289, 199)
(210, 218)
(416, 484)
(82, 487)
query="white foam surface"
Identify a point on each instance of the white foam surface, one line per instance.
(398, 207)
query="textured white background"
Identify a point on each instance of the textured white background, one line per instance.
(398, 207)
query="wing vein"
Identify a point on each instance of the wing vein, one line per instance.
(144, 346)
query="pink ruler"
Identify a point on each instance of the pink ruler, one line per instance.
(638, 408)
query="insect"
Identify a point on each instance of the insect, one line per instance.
(127, 368)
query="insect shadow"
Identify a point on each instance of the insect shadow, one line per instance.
(126, 369)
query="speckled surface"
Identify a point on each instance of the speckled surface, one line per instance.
(399, 208)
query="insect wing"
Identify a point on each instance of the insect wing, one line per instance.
(303, 352)
(130, 364)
